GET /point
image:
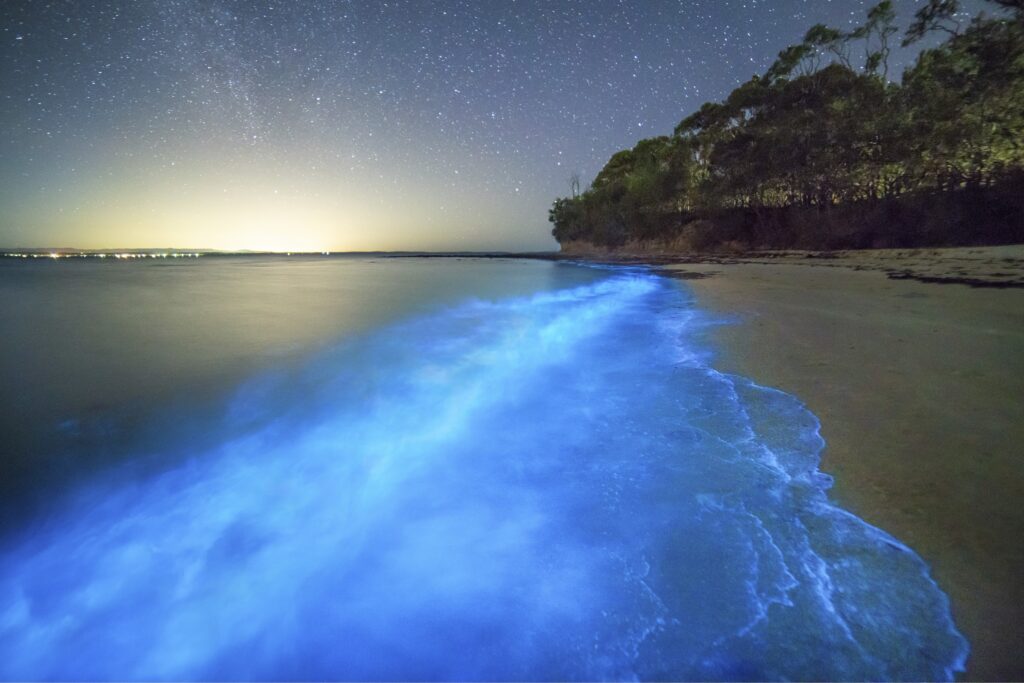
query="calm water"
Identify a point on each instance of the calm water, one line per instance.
(409, 469)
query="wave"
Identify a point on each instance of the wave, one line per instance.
(550, 487)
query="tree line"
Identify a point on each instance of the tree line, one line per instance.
(824, 151)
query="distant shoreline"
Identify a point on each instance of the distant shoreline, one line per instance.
(1003, 266)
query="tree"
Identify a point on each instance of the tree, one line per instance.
(574, 184)
(937, 15)
(831, 41)
(876, 34)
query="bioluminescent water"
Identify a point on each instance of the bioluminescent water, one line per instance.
(551, 485)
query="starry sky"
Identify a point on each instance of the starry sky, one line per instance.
(350, 125)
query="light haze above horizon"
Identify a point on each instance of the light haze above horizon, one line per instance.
(350, 126)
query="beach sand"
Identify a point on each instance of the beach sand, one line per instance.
(920, 391)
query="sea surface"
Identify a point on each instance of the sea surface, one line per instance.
(408, 469)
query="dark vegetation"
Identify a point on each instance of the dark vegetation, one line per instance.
(824, 152)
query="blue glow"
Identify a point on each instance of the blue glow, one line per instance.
(553, 487)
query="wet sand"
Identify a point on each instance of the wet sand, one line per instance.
(920, 391)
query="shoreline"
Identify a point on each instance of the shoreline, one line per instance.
(920, 393)
(995, 267)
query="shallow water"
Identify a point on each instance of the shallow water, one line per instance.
(91, 350)
(545, 484)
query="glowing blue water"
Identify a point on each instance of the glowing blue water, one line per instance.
(553, 487)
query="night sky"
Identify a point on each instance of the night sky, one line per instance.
(306, 124)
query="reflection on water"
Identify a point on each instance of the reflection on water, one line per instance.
(91, 349)
(549, 485)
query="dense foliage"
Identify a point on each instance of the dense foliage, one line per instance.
(824, 151)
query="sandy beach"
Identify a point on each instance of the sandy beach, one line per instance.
(920, 390)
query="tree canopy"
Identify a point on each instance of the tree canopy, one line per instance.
(825, 130)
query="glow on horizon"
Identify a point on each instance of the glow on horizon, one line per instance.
(253, 213)
(261, 223)
(220, 204)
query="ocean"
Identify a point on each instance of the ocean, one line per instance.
(366, 468)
